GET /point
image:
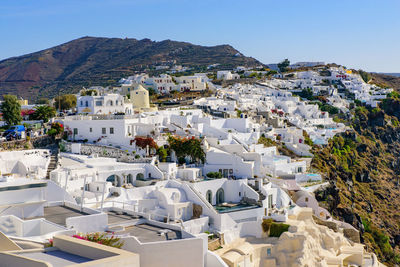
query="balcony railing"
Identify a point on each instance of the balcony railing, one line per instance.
(99, 117)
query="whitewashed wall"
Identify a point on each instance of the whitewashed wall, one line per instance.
(172, 253)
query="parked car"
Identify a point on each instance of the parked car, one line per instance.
(15, 132)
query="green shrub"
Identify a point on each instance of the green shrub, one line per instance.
(52, 132)
(214, 175)
(274, 229)
(62, 147)
(277, 229)
(267, 142)
(162, 154)
(181, 160)
(266, 225)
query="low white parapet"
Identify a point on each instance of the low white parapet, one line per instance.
(88, 223)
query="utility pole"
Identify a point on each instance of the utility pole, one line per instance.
(83, 191)
(59, 101)
(102, 196)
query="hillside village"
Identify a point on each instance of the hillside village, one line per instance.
(220, 178)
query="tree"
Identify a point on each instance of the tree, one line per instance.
(152, 91)
(11, 110)
(90, 92)
(56, 129)
(284, 65)
(43, 101)
(143, 142)
(187, 147)
(162, 154)
(365, 75)
(44, 113)
(64, 102)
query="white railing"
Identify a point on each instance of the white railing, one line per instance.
(133, 208)
(125, 206)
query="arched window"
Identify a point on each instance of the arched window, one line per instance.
(129, 179)
(111, 179)
(115, 180)
(209, 196)
(140, 176)
(220, 196)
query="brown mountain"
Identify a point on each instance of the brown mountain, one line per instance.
(102, 61)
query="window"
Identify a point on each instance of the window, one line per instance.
(75, 131)
(111, 130)
(268, 251)
(209, 196)
(116, 102)
(270, 201)
(90, 129)
(103, 130)
(99, 103)
(81, 103)
(306, 199)
(86, 103)
(240, 194)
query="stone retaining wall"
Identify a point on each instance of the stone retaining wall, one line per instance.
(23, 144)
(106, 151)
(214, 244)
(329, 224)
(350, 233)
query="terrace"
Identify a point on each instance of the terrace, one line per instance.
(150, 233)
(232, 207)
(59, 214)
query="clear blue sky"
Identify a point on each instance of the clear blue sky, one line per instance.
(355, 33)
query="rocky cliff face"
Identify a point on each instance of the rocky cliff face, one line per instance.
(363, 168)
(102, 61)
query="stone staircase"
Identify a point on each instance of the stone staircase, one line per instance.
(261, 195)
(53, 164)
(7, 227)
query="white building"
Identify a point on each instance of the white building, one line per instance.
(227, 75)
(103, 104)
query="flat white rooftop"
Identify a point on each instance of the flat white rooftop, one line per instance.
(57, 257)
(21, 183)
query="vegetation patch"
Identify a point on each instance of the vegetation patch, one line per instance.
(274, 229)
(101, 238)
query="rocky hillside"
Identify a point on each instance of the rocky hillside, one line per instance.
(103, 61)
(363, 168)
(386, 80)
